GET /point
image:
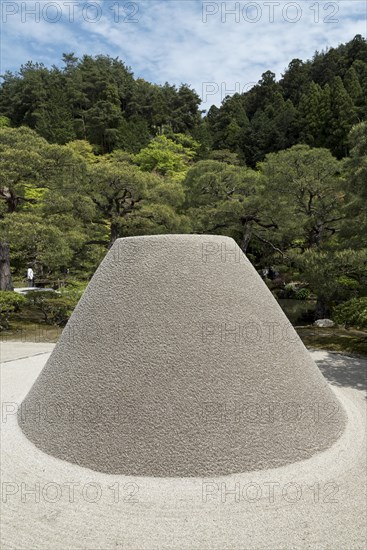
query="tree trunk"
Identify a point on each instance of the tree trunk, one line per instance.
(323, 310)
(114, 233)
(246, 236)
(5, 274)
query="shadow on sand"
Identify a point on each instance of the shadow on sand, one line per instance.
(344, 370)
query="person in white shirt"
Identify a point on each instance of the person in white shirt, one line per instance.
(30, 277)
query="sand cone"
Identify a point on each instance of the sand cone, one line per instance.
(178, 361)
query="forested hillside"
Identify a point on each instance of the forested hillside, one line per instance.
(98, 99)
(316, 102)
(89, 154)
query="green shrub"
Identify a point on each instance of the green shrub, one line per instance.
(296, 291)
(289, 290)
(74, 290)
(346, 282)
(56, 308)
(10, 302)
(351, 313)
(302, 294)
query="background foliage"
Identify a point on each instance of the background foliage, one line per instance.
(88, 154)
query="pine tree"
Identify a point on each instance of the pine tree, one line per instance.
(344, 115)
(295, 80)
(352, 84)
(325, 115)
(310, 107)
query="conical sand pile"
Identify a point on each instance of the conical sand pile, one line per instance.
(178, 361)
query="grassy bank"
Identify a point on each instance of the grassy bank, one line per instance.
(334, 339)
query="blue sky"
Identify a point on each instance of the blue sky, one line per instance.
(217, 47)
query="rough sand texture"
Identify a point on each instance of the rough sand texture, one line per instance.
(318, 503)
(178, 361)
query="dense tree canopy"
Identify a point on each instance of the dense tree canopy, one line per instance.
(316, 102)
(96, 99)
(89, 153)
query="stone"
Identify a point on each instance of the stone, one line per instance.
(324, 323)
